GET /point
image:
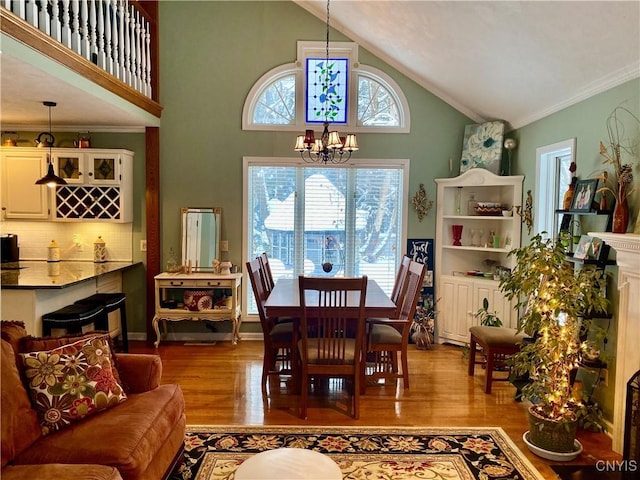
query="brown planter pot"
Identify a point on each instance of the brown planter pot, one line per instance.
(551, 435)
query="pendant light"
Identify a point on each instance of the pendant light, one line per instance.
(50, 179)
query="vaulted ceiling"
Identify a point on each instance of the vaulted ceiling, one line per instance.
(516, 61)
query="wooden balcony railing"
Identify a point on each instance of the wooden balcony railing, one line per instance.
(117, 36)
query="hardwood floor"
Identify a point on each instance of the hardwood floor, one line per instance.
(221, 385)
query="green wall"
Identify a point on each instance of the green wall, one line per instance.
(586, 121)
(211, 55)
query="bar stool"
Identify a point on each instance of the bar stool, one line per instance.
(111, 302)
(73, 318)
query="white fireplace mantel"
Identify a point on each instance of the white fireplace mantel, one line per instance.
(627, 247)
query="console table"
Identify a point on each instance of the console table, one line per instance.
(223, 304)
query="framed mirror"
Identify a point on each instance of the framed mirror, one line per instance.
(200, 236)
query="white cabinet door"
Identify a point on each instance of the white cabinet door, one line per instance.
(455, 315)
(21, 197)
(88, 167)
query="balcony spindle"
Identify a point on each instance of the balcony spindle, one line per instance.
(44, 18)
(65, 34)
(100, 60)
(112, 34)
(55, 21)
(113, 6)
(93, 41)
(75, 27)
(108, 45)
(136, 81)
(127, 46)
(121, 43)
(20, 10)
(31, 11)
(84, 30)
(146, 60)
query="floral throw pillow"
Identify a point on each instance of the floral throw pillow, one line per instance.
(72, 382)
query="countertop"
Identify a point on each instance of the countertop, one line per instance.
(41, 274)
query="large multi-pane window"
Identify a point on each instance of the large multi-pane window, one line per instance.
(326, 221)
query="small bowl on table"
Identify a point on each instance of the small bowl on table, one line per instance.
(507, 213)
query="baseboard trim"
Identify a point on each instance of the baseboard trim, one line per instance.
(198, 336)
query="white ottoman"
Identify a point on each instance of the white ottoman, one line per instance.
(288, 464)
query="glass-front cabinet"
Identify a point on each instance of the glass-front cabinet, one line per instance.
(88, 167)
(476, 227)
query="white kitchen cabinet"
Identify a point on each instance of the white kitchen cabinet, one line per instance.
(460, 282)
(100, 185)
(89, 166)
(21, 197)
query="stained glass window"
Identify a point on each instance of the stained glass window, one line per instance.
(326, 92)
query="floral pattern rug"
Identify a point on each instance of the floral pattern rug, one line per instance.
(372, 453)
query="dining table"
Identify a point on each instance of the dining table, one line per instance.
(284, 300)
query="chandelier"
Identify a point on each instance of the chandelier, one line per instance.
(50, 179)
(330, 147)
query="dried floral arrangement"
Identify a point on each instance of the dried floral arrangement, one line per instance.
(622, 147)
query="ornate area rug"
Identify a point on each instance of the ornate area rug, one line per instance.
(371, 453)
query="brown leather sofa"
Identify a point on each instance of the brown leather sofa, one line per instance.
(142, 438)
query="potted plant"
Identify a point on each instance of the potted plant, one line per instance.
(487, 318)
(554, 299)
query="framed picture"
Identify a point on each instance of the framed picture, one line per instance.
(482, 146)
(583, 196)
(584, 245)
(599, 250)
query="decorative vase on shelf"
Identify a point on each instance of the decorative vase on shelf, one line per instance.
(568, 195)
(457, 234)
(621, 213)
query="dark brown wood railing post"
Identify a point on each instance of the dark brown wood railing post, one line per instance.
(152, 202)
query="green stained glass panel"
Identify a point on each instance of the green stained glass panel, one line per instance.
(326, 90)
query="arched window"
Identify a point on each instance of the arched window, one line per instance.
(277, 103)
(372, 100)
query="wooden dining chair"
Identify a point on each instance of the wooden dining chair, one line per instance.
(401, 275)
(278, 337)
(266, 270)
(388, 337)
(331, 333)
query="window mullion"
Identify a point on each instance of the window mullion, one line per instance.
(350, 224)
(299, 213)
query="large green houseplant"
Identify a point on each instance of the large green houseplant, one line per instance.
(555, 299)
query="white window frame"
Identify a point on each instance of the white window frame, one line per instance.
(403, 164)
(337, 49)
(547, 184)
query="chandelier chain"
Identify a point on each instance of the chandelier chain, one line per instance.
(330, 147)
